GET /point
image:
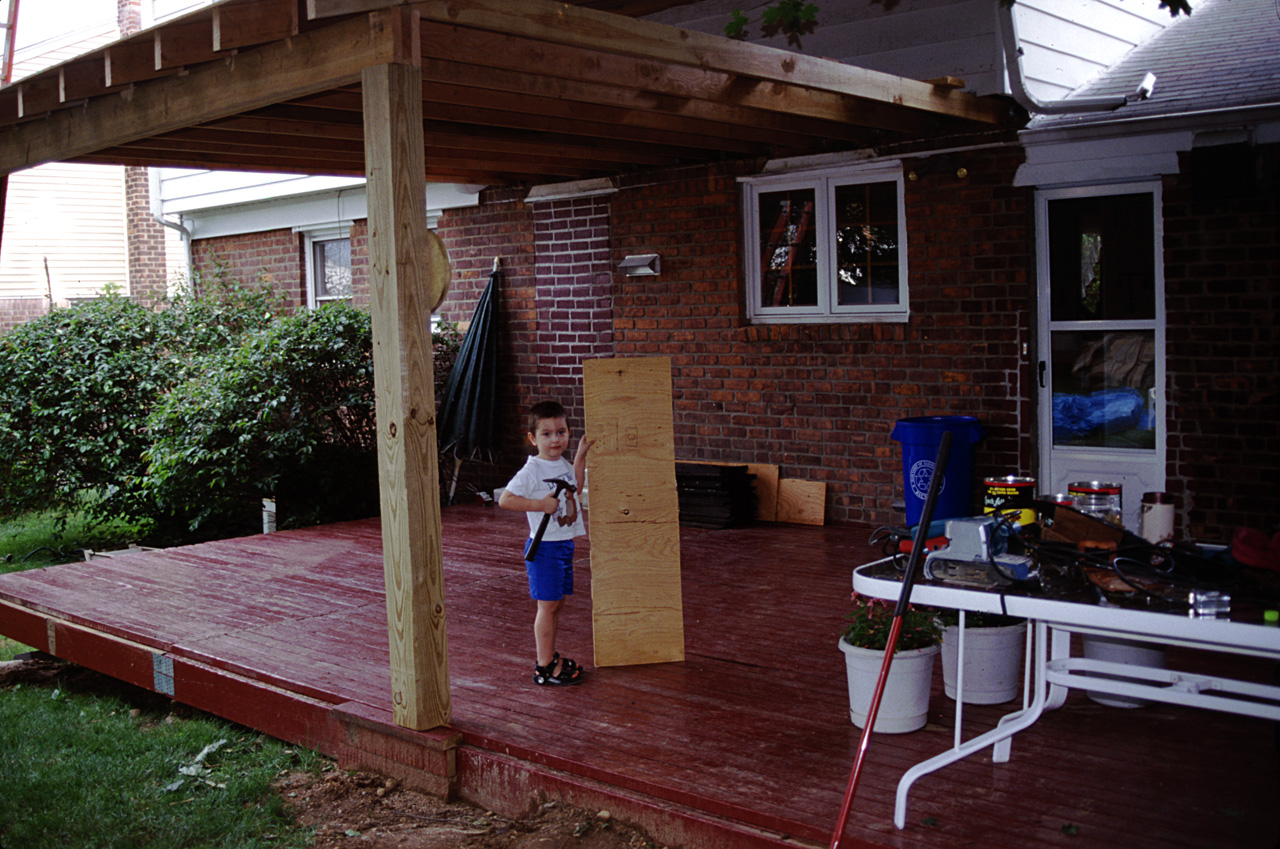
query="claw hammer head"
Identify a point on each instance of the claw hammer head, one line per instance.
(560, 485)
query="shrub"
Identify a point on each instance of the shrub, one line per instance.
(77, 385)
(289, 414)
(75, 388)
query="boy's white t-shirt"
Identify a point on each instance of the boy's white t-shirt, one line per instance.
(529, 482)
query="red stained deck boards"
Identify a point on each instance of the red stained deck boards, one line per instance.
(744, 743)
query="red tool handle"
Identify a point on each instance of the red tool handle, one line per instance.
(913, 565)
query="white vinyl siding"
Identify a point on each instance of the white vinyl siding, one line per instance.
(73, 215)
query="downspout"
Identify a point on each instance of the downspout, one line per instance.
(158, 214)
(1013, 66)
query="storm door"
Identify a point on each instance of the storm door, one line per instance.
(1101, 339)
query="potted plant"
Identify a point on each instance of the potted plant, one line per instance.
(993, 650)
(905, 703)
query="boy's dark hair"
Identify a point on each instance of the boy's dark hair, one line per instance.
(545, 410)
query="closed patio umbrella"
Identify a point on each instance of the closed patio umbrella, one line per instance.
(467, 423)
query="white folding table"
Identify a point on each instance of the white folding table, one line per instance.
(1051, 670)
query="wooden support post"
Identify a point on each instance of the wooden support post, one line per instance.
(637, 610)
(399, 257)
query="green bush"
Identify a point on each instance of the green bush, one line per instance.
(75, 389)
(287, 415)
(77, 386)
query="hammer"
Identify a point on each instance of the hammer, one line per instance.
(560, 486)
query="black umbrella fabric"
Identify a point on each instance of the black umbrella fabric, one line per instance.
(468, 419)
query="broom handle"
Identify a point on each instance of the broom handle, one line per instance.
(913, 564)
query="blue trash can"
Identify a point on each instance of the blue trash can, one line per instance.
(920, 437)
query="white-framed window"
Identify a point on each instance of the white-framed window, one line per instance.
(826, 246)
(328, 263)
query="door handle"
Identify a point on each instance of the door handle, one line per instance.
(1043, 366)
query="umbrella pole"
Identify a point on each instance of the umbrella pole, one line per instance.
(453, 484)
(913, 564)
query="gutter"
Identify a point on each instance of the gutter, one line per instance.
(157, 212)
(1013, 66)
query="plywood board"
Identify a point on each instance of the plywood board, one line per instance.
(637, 611)
(802, 502)
(766, 486)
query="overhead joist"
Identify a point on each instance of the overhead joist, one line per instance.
(325, 58)
(702, 116)
(346, 157)
(469, 174)
(266, 132)
(558, 23)
(484, 126)
(452, 102)
(832, 113)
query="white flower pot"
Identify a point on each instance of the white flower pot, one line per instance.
(1117, 650)
(992, 662)
(905, 704)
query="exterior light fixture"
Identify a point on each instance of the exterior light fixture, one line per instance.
(641, 265)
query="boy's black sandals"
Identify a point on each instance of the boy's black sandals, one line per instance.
(561, 671)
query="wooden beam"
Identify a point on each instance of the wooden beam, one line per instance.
(558, 23)
(132, 60)
(188, 42)
(311, 62)
(248, 24)
(400, 271)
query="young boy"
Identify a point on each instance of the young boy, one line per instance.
(551, 570)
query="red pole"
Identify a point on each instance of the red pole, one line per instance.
(891, 645)
(6, 73)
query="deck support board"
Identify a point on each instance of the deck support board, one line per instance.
(400, 272)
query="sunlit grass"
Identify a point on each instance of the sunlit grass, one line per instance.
(43, 538)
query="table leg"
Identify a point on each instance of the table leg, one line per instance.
(998, 737)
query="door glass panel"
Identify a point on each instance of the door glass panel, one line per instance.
(1102, 266)
(1103, 387)
(788, 249)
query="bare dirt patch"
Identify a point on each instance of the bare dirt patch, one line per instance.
(363, 810)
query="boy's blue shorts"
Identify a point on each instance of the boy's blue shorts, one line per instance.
(551, 574)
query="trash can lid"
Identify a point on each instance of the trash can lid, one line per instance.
(929, 429)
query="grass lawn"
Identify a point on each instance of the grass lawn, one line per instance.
(117, 767)
(42, 539)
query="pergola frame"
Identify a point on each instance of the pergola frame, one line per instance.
(493, 92)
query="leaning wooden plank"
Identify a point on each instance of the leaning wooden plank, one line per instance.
(637, 610)
(802, 502)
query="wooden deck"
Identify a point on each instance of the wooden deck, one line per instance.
(747, 743)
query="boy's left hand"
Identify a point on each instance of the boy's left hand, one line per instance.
(584, 445)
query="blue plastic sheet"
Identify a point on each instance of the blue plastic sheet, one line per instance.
(1075, 416)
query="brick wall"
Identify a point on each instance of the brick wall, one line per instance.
(820, 400)
(1222, 284)
(147, 267)
(15, 311)
(572, 298)
(274, 256)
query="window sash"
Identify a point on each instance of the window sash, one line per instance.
(773, 248)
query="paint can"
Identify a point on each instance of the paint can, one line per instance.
(1099, 499)
(1010, 496)
(1156, 517)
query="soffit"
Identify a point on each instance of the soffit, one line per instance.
(514, 91)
